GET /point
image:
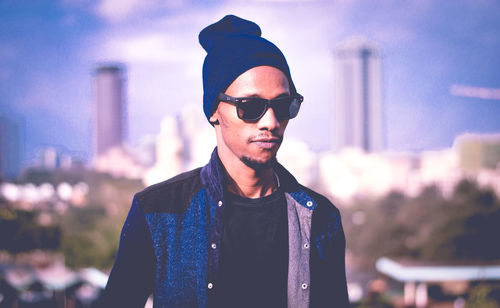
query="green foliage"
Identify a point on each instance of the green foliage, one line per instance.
(480, 298)
(87, 235)
(93, 248)
(19, 232)
(427, 227)
(374, 300)
(91, 234)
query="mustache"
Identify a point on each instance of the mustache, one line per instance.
(266, 136)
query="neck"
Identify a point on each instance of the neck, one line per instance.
(246, 181)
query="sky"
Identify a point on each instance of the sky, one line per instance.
(49, 50)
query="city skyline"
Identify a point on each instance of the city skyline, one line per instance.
(49, 49)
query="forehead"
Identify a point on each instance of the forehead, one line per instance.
(260, 81)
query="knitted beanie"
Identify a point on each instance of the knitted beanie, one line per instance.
(234, 45)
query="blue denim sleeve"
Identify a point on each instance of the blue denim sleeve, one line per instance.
(132, 278)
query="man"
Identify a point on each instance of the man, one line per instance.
(239, 232)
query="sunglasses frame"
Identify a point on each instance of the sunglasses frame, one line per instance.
(238, 101)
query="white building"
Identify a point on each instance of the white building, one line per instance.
(184, 143)
(119, 162)
(197, 135)
(169, 153)
(440, 168)
(351, 172)
(300, 160)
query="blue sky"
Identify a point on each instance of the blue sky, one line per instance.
(48, 50)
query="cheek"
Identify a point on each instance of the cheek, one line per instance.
(227, 125)
(231, 131)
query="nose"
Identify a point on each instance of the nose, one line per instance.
(268, 121)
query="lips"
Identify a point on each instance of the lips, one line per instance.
(267, 143)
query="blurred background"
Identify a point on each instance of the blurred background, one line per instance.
(399, 128)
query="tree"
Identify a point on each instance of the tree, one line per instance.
(428, 226)
(480, 298)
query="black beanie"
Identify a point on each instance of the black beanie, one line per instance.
(234, 45)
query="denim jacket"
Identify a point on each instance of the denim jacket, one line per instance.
(170, 239)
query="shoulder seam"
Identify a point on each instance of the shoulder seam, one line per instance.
(176, 179)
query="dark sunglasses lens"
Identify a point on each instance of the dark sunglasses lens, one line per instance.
(294, 108)
(251, 109)
(286, 108)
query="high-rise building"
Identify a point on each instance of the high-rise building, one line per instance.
(109, 116)
(358, 97)
(11, 146)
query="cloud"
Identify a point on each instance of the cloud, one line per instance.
(475, 92)
(163, 39)
(120, 10)
(148, 48)
(114, 10)
(278, 1)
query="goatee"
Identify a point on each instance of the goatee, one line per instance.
(259, 166)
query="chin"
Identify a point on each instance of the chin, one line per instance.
(259, 164)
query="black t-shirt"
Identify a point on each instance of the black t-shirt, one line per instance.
(253, 264)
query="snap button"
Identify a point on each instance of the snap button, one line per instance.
(304, 286)
(210, 285)
(306, 245)
(220, 203)
(213, 246)
(309, 203)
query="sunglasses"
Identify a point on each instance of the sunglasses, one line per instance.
(251, 109)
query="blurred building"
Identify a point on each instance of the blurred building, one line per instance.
(300, 160)
(440, 168)
(52, 158)
(185, 142)
(358, 97)
(109, 108)
(11, 147)
(169, 153)
(478, 151)
(44, 281)
(438, 284)
(119, 162)
(145, 152)
(352, 172)
(198, 137)
(47, 158)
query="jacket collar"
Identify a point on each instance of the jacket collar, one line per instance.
(213, 176)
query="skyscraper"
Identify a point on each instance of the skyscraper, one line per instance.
(358, 99)
(109, 116)
(11, 146)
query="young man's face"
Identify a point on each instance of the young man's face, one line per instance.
(253, 143)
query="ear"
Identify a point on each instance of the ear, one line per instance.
(214, 119)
